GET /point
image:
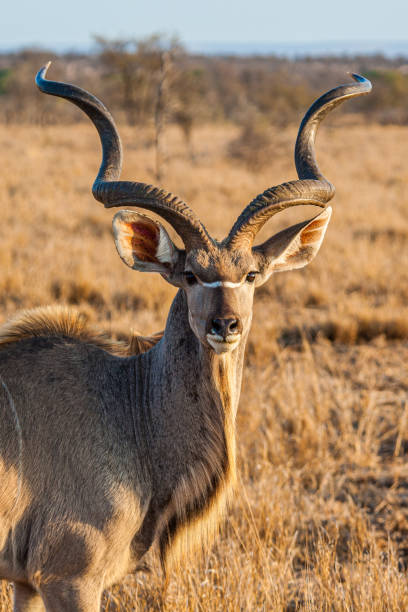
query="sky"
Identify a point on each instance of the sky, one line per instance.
(71, 24)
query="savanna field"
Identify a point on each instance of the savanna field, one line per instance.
(319, 521)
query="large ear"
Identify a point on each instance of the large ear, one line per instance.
(144, 244)
(292, 248)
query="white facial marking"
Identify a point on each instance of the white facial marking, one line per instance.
(221, 284)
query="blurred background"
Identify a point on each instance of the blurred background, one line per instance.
(252, 65)
(238, 62)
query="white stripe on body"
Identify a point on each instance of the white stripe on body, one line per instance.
(20, 442)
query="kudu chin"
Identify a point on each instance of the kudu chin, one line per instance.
(103, 455)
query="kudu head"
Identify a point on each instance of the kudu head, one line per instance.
(218, 278)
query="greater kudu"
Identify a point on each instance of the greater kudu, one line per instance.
(103, 455)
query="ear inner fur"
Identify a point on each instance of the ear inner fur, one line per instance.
(295, 246)
(143, 243)
(144, 240)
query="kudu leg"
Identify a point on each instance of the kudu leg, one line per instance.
(66, 596)
(26, 599)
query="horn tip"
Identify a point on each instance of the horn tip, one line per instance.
(361, 79)
(41, 74)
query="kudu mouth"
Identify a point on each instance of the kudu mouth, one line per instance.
(222, 344)
(224, 333)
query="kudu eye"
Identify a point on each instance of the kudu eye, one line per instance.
(190, 278)
(251, 277)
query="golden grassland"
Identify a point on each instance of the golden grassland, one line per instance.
(320, 517)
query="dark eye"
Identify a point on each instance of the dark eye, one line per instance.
(251, 277)
(190, 278)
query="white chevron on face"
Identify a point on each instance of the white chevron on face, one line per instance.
(228, 284)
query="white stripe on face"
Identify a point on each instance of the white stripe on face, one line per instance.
(221, 284)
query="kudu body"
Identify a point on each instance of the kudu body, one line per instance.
(103, 455)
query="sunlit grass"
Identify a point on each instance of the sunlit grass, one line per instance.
(320, 518)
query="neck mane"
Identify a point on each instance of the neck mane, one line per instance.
(193, 429)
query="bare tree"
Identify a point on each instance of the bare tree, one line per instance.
(160, 111)
(144, 69)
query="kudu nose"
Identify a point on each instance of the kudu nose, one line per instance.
(225, 327)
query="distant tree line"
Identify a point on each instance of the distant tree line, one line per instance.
(154, 81)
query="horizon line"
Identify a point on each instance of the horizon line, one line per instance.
(340, 47)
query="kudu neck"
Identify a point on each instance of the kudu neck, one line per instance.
(187, 408)
(188, 398)
(219, 373)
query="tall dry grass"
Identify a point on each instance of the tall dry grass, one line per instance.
(320, 518)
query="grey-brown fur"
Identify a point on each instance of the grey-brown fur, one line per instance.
(63, 321)
(101, 455)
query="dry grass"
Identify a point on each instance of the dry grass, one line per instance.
(320, 521)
